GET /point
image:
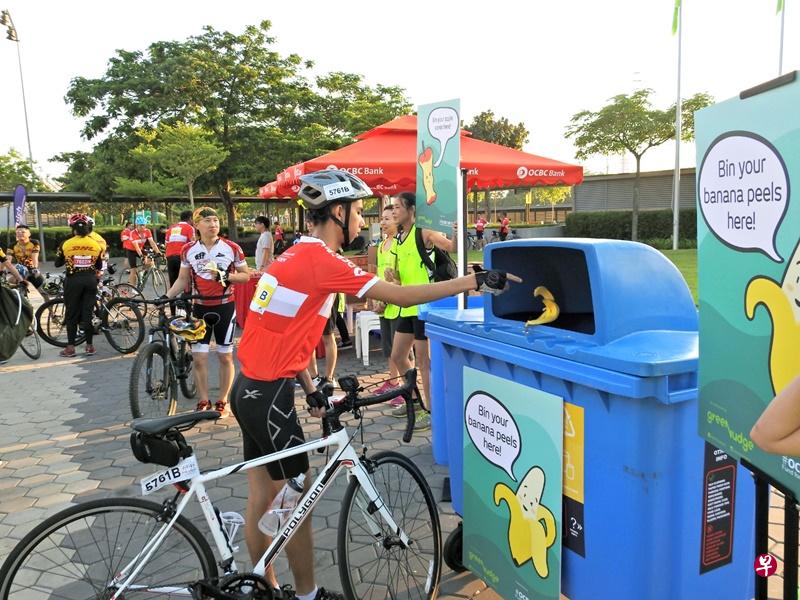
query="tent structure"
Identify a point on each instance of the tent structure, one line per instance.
(385, 158)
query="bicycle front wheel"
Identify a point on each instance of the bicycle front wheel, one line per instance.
(159, 282)
(373, 563)
(153, 391)
(186, 364)
(123, 325)
(78, 552)
(30, 344)
(51, 323)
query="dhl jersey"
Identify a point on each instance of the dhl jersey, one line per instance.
(80, 254)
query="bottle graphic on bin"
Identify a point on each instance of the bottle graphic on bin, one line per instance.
(282, 506)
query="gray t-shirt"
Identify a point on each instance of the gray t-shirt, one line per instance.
(264, 241)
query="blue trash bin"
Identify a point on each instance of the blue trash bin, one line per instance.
(625, 350)
(438, 406)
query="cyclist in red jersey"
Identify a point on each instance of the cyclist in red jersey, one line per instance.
(209, 265)
(287, 316)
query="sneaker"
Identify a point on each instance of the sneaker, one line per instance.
(323, 594)
(345, 345)
(385, 387)
(90, 351)
(400, 411)
(220, 407)
(398, 401)
(318, 380)
(423, 421)
(68, 352)
(203, 405)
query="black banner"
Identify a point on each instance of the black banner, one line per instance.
(719, 496)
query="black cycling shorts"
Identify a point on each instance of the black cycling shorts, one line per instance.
(410, 325)
(133, 258)
(268, 419)
(220, 322)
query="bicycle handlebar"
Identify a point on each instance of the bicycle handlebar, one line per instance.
(181, 298)
(352, 401)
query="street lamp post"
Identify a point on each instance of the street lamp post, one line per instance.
(11, 34)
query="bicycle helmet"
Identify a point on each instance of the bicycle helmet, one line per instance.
(141, 221)
(192, 330)
(78, 218)
(321, 189)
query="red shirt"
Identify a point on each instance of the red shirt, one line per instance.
(480, 224)
(177, 237)
(226, 254)
(139, 239)
(125, 237)
(291, 305)
(504, 225)
(278, 233)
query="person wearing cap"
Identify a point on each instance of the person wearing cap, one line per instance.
(288, 313)
(208, 265)
(138, 237)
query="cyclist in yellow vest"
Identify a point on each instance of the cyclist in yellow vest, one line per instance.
(409, 331)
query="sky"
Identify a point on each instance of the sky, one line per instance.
(537, 62)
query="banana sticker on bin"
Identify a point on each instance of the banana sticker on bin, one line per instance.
(531, 526)
(426, 163)
(783, 304)
(550, 312)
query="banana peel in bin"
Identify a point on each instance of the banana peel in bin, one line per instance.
(551, 310)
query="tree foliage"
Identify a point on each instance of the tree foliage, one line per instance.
(488, 128)
(629, 123)
(257, 107)
(14, 170)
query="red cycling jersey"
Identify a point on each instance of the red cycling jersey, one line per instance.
(177, 236)
(291, 305)
(125, 237)
(139, 239)
(226, 254)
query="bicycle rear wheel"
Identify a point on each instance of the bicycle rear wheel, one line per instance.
(372, 562)
(79, 551)
(159, 281)
(153, 389)
(126, 290)
(30, 344)
(51, 323)
(123, 325)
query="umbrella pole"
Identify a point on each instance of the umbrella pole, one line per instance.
(462, 237)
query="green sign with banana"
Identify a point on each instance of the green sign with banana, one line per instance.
(748, 239)
(513, 448)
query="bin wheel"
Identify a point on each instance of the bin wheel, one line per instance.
(453, 550)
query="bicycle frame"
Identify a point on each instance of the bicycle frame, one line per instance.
(345, 456)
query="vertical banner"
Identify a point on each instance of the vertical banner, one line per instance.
(719, 500)
(438, 161)
(748, 234)
(513, 443)
(20, 195)
(573, 478)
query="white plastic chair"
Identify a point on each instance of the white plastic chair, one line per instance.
(366, 321)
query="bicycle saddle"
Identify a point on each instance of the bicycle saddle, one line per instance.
(159, 425)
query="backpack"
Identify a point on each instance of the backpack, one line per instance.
(442, 267)
(15, 319)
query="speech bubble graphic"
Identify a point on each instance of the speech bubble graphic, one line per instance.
(443, 126)
(743, 192)
(493, 431)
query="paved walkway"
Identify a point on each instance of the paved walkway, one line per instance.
(64, 438)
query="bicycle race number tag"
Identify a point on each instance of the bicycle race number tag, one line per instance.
(186, 469)
(263, 295)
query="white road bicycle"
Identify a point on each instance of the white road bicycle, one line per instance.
(388, 538)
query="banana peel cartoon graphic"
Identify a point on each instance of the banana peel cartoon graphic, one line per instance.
(531, 526)
(551, 310)
(425, 160)
(783, 305)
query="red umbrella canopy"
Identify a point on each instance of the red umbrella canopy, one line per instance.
(277, 190)
(385, 158)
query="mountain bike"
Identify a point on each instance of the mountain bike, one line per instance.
(388, 536)
(116, 317)
(163, 364)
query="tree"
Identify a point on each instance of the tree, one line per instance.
(256, 104)
(552, 195)
(498, 131)
(631, 124)
(14, 170)
(187, 152)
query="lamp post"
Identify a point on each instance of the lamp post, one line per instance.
(11, 34)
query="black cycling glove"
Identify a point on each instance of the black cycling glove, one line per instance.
(317, 399)
(494, 282)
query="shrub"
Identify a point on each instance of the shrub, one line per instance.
(616, 225)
